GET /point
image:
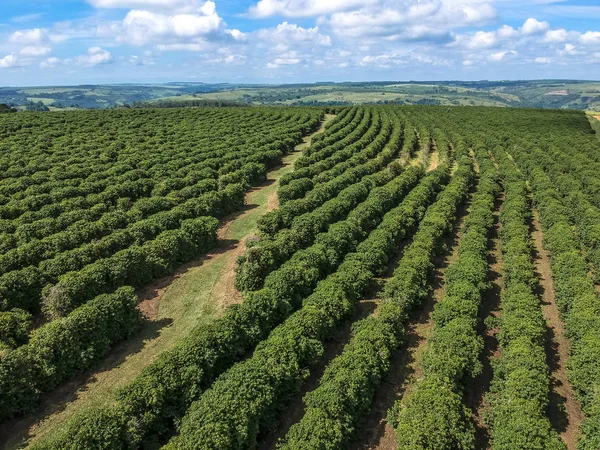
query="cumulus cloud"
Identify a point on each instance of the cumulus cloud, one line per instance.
(94, 57)
(304, 8)
(499, 56)
(50, 63)
(591, 38)
(9, 61)
(172, 6)
(29, 37)
(427, 20)
(533, 26)
(188, 32)
(542, 60)
(286, 33)
(558, 35)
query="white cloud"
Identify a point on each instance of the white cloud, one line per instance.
(590, 38)
(50, 63)
(533, 26)
(480, 40)
(9, 61)
(34, 36)
(286, 61)
(181, 47)
(141, 27)
(304, 8)
(427, 20)
(34, 51)
(94, 57)
(542, 60)
(499, 56)
(507, 32)
(289, 34)
(559, 35)
(171, 6)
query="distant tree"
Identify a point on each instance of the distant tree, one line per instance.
(5, 109)
(39, 106)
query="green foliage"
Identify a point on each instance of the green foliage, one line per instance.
(521, 386)
(349, 383)
(246, 400)
(62, 348)
(14, 327)
(417, 427)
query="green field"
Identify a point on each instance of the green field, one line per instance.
(560, 94)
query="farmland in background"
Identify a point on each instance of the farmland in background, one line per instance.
(569, 94)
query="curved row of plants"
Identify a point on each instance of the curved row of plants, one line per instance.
(371, 159)
(246, 400)
(23, 288)
(163, 391)
(268, 254)
(24, 374)
(328, 162)
(346, 390)
(583, 213)
(367, 131)
(137, 181)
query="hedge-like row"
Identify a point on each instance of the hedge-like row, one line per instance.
(135, 266)
(263, 258)
(371, 160)
(520, 388)
(56, 217)
(111, 224)
(584, 214)
(163, 391)
(325, 164)
(575, 295)
(14, 328)
(433, 416)
(246, 401)
(63, 348)
(347, 118)
(348, 385)
(23, 288)
(365, 135)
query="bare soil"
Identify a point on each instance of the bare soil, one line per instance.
(564, 410)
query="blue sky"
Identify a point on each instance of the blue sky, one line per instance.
(49, 42)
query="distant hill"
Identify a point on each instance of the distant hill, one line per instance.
(564, 94)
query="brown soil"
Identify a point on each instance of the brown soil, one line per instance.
(597, 117)
(564, 411)
(434, 161)
(374, 433)
(474, 395)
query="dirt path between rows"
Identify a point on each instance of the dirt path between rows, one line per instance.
(474, 395)
(374, 432)
(197, 293)
(564, 411)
